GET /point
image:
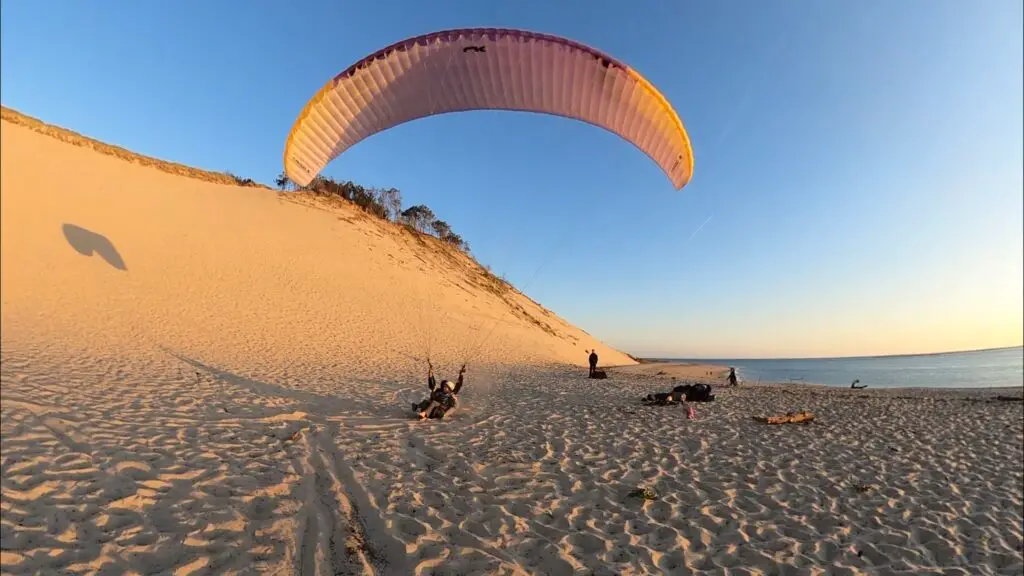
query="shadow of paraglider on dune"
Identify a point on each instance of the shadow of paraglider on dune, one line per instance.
(87, 243)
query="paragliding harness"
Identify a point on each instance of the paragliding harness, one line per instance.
(443, 395)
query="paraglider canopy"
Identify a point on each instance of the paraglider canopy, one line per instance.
(481, 69)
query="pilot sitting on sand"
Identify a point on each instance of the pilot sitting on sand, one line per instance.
(442, 398)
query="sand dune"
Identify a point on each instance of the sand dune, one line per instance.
(116, 252)
(200, 378)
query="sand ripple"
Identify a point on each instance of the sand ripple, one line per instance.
(205, 471)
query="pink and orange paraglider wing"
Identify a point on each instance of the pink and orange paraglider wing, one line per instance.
(479, 69)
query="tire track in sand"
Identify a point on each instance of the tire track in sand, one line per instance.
(343, 532)
(331, 542)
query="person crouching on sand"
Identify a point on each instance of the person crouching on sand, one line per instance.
(443, 398)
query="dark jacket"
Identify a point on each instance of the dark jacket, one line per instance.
(436, 392)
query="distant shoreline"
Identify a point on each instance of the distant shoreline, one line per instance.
(696, 372)
(649, 360)
(993, 368)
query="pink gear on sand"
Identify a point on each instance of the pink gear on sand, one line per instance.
(691, 414)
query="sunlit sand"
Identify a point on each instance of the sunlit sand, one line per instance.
(204, 378)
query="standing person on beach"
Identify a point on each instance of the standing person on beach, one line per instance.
(593, 362)
(732, 377)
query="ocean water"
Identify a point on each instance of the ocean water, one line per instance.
(977, 369)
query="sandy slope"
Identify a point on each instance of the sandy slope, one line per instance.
(222, 387)
(241, 274)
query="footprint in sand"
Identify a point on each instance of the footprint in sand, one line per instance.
(588, 544)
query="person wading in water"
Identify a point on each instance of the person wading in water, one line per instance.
(732, 377)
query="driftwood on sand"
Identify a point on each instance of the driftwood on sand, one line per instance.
(789, 418)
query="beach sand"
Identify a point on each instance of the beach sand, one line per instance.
(684, 372)
(200, 378)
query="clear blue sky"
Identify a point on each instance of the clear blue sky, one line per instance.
(858, 165)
